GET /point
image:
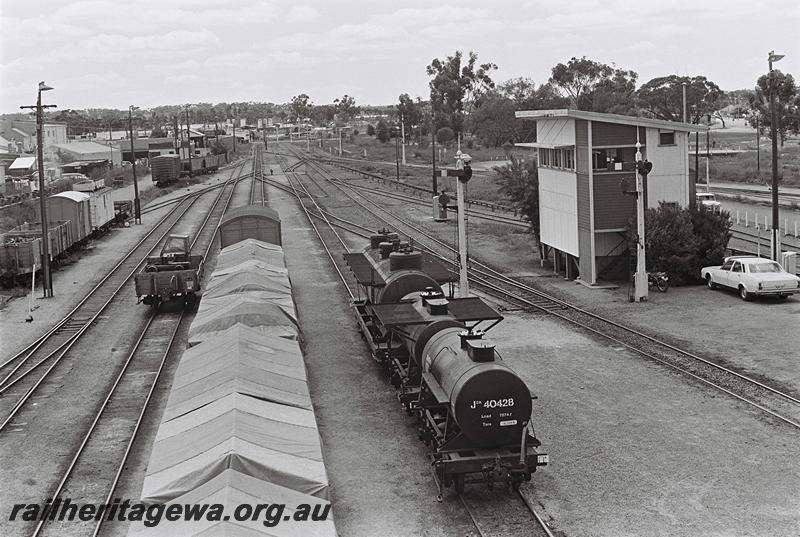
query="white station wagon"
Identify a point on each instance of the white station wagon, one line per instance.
(751, 277)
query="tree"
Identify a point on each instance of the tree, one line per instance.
(300, 107)
(444, 135)
(382, 131)
(370, 130)
(346, 108)
(454, 88)
(787, 103)
(493, 121)
(410, 112)
(527, 96)
(519, 181)
(595, 86)
(323, 114)
(662, 98)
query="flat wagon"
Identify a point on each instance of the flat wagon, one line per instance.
(173, 273)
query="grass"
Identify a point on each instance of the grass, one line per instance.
(381, 160)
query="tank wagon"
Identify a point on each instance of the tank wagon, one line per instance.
(473, 411)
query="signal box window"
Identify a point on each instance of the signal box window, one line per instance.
(666, 138)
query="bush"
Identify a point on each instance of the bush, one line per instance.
(382, 131)
(370, 130)
(444, 135)
(682, 241)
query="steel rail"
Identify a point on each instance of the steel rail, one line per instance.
(465, 504)
(75, 337)
(637, 333)
(73, 463)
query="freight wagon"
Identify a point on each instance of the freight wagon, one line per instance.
(250, 222)
(21, 248)
(167, 169)
(173, 273)
(72, 217)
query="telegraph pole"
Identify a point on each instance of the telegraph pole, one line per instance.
(776, 236)
(136, 210)
(47, 280)
(188, 141)
(403, 134)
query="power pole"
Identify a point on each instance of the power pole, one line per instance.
(136, 203)
(403, 133)
(47, 280)
(776, 236)
(188, 142)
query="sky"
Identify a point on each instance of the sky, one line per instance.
(113, 53)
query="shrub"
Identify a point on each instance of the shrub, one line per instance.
(444, 135)
(370, 130)
(682, 241)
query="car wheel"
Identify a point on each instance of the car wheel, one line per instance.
(783, 297)
(744, 294)
(710, 282)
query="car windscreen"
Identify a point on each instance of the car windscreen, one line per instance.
(764, 267)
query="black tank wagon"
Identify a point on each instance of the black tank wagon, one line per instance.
(473, 411)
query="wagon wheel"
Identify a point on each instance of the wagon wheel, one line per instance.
(151, 268)
(458, 481)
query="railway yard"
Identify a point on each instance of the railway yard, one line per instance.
(678, 416)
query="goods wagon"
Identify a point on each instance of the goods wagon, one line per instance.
(175, 272)
(19, 256)
(101, 209)
(165, 169)
(250, 222)
(473, 411)
(72, 207)
(22, 246)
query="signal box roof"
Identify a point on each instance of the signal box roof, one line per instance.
(610, 118)
(462, 309)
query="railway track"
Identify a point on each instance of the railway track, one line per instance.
(486, 516)
(763, 396)
(97, 465)
(766, 397)
(17, 372)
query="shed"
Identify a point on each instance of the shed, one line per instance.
(250, 222)
(75, 207)
(22, 166)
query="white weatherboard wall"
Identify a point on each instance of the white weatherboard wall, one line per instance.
(558, 209)
(668, 180)
(553, 131)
